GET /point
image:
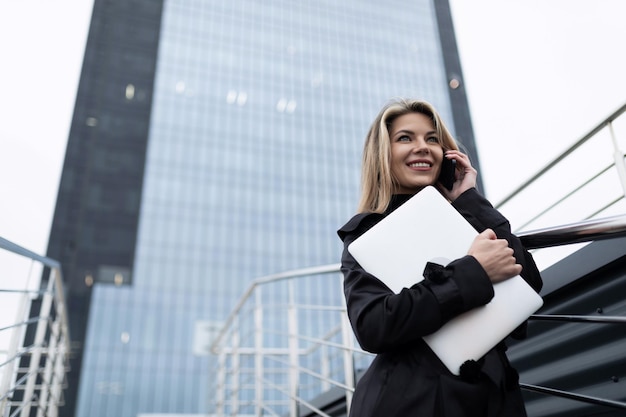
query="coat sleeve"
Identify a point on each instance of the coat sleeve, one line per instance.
(482, 215)
(382, 320)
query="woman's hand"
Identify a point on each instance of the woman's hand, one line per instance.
(465, 175)
(495, 256)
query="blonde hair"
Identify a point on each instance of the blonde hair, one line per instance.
(377, 182)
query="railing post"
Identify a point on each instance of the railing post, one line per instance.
(56, 389)
(40, 334)
(221, 383)
(17, 333)
(292, 323)
(618, 157)
(348, 355)
(325, 367)
(236, 373)
(62, 343)
(258, 353)
(46, 379)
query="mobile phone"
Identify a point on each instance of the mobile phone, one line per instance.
(446, 176)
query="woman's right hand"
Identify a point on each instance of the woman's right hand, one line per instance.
(495, 256)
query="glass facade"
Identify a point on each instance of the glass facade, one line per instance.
(259, 113)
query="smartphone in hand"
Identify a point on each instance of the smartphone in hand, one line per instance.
(446, 176)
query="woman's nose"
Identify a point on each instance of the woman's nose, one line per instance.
(420, 146)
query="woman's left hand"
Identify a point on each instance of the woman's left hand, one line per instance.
(465, 175)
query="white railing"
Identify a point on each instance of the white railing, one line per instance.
(34, 341)
(286, 342)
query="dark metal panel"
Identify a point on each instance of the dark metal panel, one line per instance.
(584, 358)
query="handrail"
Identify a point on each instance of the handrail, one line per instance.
(33, 370)
(578, 232)
(573, 396)
(19, 250)
(606, 122)
(579, 318)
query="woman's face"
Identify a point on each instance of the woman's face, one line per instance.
(416, 153)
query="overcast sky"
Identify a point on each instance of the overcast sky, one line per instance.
(539, 75)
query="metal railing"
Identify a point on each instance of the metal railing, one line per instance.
(586, 181)
(585, 231)
(34, 341)
(281, 354)
(276, 353)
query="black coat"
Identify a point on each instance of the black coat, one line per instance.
(406, 378)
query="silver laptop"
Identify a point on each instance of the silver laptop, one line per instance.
(428, 228)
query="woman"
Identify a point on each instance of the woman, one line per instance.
(403, 153)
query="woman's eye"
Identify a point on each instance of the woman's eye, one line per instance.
(433, 139)
(403, 138)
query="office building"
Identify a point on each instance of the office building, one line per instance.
(213, 143)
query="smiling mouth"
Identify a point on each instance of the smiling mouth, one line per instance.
(420, 165)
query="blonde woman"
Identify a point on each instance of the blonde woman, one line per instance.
(405, 149)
